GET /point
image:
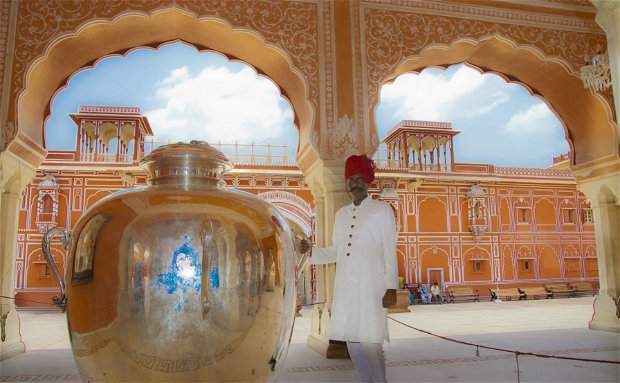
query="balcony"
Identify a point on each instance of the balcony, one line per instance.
(283, 156)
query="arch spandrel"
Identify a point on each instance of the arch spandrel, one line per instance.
(100, 38)
(586, 116)
(541, 51)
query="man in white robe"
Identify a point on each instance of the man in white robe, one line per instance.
(436, 293)
(364, 249)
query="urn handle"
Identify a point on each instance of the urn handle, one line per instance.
(302, 256)
(60, 301)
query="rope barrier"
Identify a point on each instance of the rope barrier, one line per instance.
(517, 353)
(478, 346)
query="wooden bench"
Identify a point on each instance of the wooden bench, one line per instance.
(533, 292)
(584, 288)
(462, 294)
(560, 289)
(413, 289)
(507, 294)
(443, 297)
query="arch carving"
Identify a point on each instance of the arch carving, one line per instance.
(571, 251)
(549, 262)
(92, 198)
(525, 252)
(508, 264)
(434, 257)
(477, 264)
(56, 39)
(545, 213)
(35, 257)
(436, 207)
(293, 207)
(477, 252)
(520, 47)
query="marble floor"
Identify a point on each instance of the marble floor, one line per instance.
(557, 327)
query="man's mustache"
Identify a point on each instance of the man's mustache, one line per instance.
(356, 188)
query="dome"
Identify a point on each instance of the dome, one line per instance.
(49, 182)
(475, 191)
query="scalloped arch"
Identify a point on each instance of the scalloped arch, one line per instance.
(98, 39)
(555, 251)
(475, 249)
(586, 116)
(525, 251)
(422, 200)
(292, 207)
(430, 250)
(544, 199)
(57, 254)
(570, 250)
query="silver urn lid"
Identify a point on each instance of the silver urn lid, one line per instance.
(186, 164)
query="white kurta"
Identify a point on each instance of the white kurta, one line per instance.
(364, 249)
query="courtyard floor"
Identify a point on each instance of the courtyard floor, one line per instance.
(557, 327)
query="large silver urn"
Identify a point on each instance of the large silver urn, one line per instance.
(184, 280)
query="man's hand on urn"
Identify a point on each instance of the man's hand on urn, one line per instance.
(389, 298)
(305, 246)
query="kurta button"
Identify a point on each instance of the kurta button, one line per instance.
(350, 235)
(353, 217)
(352, 226)
(348, 254)
(349, 243)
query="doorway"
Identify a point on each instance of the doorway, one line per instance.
(435, 275)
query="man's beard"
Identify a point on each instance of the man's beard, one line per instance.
(359, 189)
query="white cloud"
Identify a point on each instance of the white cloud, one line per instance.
(498, 98)
(219, 105)
(538, 118)
(500, 123)
(176, 75)
(432, 97)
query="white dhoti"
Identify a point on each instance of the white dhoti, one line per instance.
(368, 360)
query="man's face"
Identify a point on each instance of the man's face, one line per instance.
(357, 186)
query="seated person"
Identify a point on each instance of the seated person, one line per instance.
(426, 296)
(411, 292)
(436, 292)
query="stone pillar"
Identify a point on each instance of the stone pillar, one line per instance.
(608, 17)
(603, 192)
(14, 176)
(11, 339)
(326, 180)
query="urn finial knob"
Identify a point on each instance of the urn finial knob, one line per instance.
(187, 164)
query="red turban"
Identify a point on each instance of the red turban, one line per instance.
(360, 165)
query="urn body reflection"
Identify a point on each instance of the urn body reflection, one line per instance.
(183, 280)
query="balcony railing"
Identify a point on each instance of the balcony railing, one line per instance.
(106, 157)
(247, 154)
(284, 155)
(383, 162)
(400, 165)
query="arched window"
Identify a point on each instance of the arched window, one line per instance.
(47, 208)
(47, 205)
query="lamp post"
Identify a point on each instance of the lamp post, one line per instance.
(497, 279)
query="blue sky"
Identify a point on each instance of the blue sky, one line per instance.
(189, 95)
